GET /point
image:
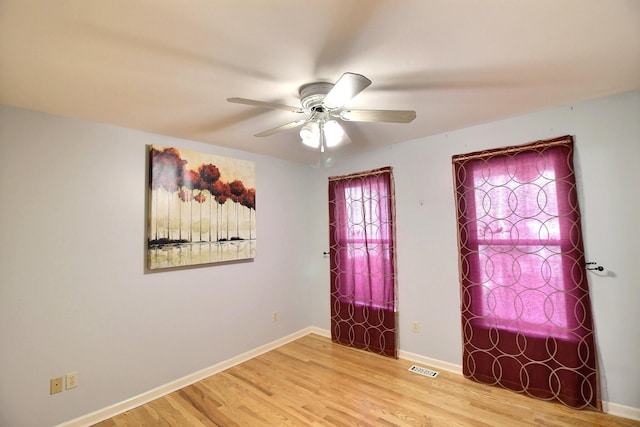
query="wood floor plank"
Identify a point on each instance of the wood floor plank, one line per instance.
(314, 382)
(201, 400)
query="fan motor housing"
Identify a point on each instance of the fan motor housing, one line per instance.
(312, 95)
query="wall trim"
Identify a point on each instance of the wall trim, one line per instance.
(319, 331)
(433, 363)
(621, 410)
(607, 407)
(126, 405)
(148, 396)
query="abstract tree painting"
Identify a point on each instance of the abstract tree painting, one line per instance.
(201, 208)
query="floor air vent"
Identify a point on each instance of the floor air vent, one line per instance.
(423, 371)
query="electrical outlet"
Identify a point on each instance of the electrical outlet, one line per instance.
(415, 327)
(275, 316)
(55, 385)
(71, 380)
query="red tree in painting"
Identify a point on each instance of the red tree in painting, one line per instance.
(200, 198)
(220, 192)
(184, 196)
(249, 201)
(237, 190)
(166, 169)
(191, 181)
(209, 174)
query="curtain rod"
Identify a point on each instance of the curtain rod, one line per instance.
(543, 143)
(362, 174)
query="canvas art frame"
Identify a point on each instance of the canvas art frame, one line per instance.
(201, 208)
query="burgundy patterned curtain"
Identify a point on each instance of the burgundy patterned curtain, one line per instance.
(362, 257)
(526, 313)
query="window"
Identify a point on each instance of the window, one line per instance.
(366, 241)
(363, 274)
(525, 306)
(519, 241)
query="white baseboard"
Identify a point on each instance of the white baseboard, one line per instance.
(148, 396)
(118, 408)
(433, 363)
(319, 331)
(621, 411)
(607, 407)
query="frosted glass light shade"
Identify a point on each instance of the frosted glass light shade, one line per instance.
(310, 134)
(333, 133)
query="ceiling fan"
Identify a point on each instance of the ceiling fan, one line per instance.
(323, 104)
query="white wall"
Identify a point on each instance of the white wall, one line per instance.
(73, 293)
(607, 138)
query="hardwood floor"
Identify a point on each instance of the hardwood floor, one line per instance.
(314, 382)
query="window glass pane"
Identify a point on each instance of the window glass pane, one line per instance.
(366, 214)
(523, 289)
(365, 238)
(514, 210)
(518, 236)
(355, 213)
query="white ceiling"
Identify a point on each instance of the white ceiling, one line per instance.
(168, 66)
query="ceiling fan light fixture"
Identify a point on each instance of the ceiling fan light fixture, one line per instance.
(323, 102)
(310, 134)
(333, 133)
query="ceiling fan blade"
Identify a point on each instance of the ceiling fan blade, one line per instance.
(345, 89)
(290, 125)
(389, 116)
(264, 104)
